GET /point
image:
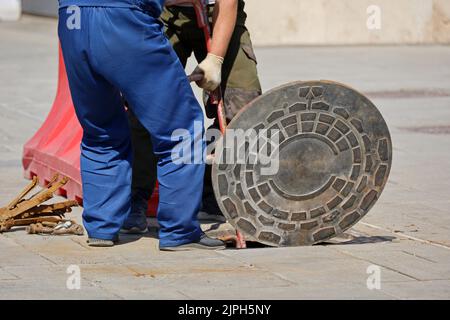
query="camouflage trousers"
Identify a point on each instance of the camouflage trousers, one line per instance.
(240, 85)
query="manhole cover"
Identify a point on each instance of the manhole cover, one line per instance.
(334, 157)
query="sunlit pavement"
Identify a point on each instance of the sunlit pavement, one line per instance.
(400, 250)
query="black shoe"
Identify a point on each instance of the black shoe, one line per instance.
(206, 216)
(210, 210)
(204, 243)
(136, 222)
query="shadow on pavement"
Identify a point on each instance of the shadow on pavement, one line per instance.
(358, 240)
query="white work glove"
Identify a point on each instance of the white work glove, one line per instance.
(209, 72)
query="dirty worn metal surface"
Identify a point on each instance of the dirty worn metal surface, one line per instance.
(334, 154)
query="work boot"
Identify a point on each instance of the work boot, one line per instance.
(204, 243)
(136, 223)
(210, 210)
(209, 215)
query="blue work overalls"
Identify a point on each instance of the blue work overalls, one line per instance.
(114, 47)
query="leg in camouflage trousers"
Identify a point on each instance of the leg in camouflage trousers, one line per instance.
(240, 85)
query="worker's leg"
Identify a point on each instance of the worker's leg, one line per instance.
(144, 160)
(143, 177)
(240, 76)
(105, 147)
(136, 57)
(240, 85)
(240, 82)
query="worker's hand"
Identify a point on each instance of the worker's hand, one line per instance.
(211, 71)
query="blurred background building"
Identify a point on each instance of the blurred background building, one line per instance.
(318, 22)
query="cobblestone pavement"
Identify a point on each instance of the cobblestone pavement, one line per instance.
(406, 236)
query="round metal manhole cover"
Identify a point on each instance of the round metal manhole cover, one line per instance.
(302, 163)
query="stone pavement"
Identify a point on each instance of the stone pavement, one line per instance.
(407, 233)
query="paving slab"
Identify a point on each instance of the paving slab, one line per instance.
(427, 290)
(332, 291)
(5, 275)
(405, 262)
(34, 290)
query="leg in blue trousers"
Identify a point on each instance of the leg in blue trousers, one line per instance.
(123, 50)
